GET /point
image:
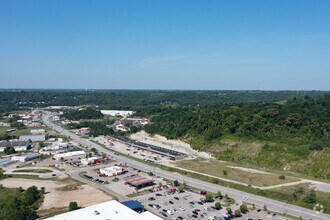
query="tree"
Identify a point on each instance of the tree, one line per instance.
(310, 197)
(225, 172)
(217, 205)
(219, 195)
(237, 213)
(208, 197)
(176, 183)
(282, 177)
(243, 209)
(181, 189)
(265, 207)
(10, 150)
(73, 206)
(229, 211)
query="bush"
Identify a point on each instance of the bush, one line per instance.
(238, 213)
(73, 206)
(243, 208)
(176, 183)
(282, 177)
(217, 205)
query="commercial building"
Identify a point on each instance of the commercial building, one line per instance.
(35, 137)
(111, 171)
(134, 205)
(172, 154)
(117, 113)
(90, 160)
(139, 181)
(108, 210)
(18, 145)
(26, 157)
(38, 131)
(71, 155)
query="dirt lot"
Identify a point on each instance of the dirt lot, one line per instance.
(59, 193)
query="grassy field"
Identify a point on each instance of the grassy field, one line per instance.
(287, 192)
(217, 168)
(20, 132)
(33, 171)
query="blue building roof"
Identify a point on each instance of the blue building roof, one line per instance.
(133, 204)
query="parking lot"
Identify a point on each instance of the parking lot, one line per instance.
(117, 183)
(188, 205)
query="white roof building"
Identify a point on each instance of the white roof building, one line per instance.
(34, 137)
(26, 157)
(72, 154)
(108, 210)
(38, 131)
(117, 113)
(111, 171)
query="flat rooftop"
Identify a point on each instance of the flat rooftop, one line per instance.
(111, 210)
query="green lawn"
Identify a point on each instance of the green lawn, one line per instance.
(33, 171)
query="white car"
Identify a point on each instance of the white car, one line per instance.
(182, 209)
(169, 212)
(206, 209)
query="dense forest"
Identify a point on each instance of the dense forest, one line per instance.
(19, 203)
(148, 100)
(290, 131)
(88, 113)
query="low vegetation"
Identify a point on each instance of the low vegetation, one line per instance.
(33, 171)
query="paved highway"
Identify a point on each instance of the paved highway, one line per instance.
(239, 196)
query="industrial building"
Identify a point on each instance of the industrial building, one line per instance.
(18, 145)
(117, 113)
(4, 161)
(108, 210)
(111, 171)
(26, 157)
(56, 147)
(71, 155)
(38, 131)
(33, 137)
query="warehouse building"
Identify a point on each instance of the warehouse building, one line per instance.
(108, 210)
(117, 113)
(26, 157)
(18, 145)
(38, 131)
(33, 137)
(4, 161)
(73, 155)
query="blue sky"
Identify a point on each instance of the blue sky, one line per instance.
(179, 44)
